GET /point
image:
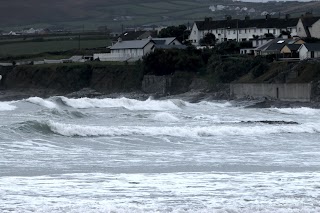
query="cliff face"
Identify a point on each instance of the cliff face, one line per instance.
(72, 77)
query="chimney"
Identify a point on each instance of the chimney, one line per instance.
(308, 14)
(287, 17)
(207, 19)
(228, 17)
(247, 17)
(268, 16)
(119, 39)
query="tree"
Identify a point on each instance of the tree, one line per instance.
(269, 35)
(208, 40)
(180, 32)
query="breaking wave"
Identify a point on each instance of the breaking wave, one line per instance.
(186, 131)
(130, 104)
(165, 117)
(297, 111)
(216, 104)
(6, 106)
(42, 102)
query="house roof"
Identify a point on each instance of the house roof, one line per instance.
(293, 47)
(312, 46)
(276, 44)
(165, 41)
(137, 35)
(251, 23)
(134, 44)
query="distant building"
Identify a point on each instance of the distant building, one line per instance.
(134, 50)
(309, 26)
(127, 50)
(135, 35)
(242, 30)
(275, 46)
(309, 51)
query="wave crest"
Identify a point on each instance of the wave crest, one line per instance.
(42, 102)
(130, 104)
(186, 131)
(297, 111)
(6, 106)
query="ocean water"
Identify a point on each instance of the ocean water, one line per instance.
(124, 155)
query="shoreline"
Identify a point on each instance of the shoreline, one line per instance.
(191, 96)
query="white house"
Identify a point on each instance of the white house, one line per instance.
(309, 50)
(127, 50)
(308, 26)
(242, 30)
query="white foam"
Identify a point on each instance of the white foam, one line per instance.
(297, 111)
(216, 104)
(6, 106)
(213, 118)
(42, 102)
(165, 117)
(185, 131)
(130, 104)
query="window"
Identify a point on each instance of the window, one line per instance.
(194, 32)
(255, 30)
(239, 31)
(274, 31)
(234, 31)
(260, 30)
(216, 30)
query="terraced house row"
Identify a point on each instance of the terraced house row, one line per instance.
(248, 29)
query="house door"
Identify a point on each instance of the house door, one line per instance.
(312, 54)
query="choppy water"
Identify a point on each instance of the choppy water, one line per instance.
(124, 155)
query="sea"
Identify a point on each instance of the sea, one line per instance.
(113, 155)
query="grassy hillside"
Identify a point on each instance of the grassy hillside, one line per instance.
(111, 13)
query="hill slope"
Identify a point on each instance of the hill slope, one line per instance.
(114, 13)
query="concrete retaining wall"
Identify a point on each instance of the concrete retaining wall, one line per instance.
(156, 84)
(283, 92)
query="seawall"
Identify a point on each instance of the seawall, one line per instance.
(284, 92)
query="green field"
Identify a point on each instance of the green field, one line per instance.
(31, 48)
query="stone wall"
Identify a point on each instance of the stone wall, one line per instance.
(283, 92)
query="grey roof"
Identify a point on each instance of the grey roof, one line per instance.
(312, 46)
(251, 23)
(134, 44)
(166, 41)
(293, 47)
(276, 44)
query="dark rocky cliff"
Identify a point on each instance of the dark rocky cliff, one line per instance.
(66, 78)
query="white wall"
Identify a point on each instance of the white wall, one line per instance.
(243, 34)
(304, 53)
(194, 35)
(315, 29)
